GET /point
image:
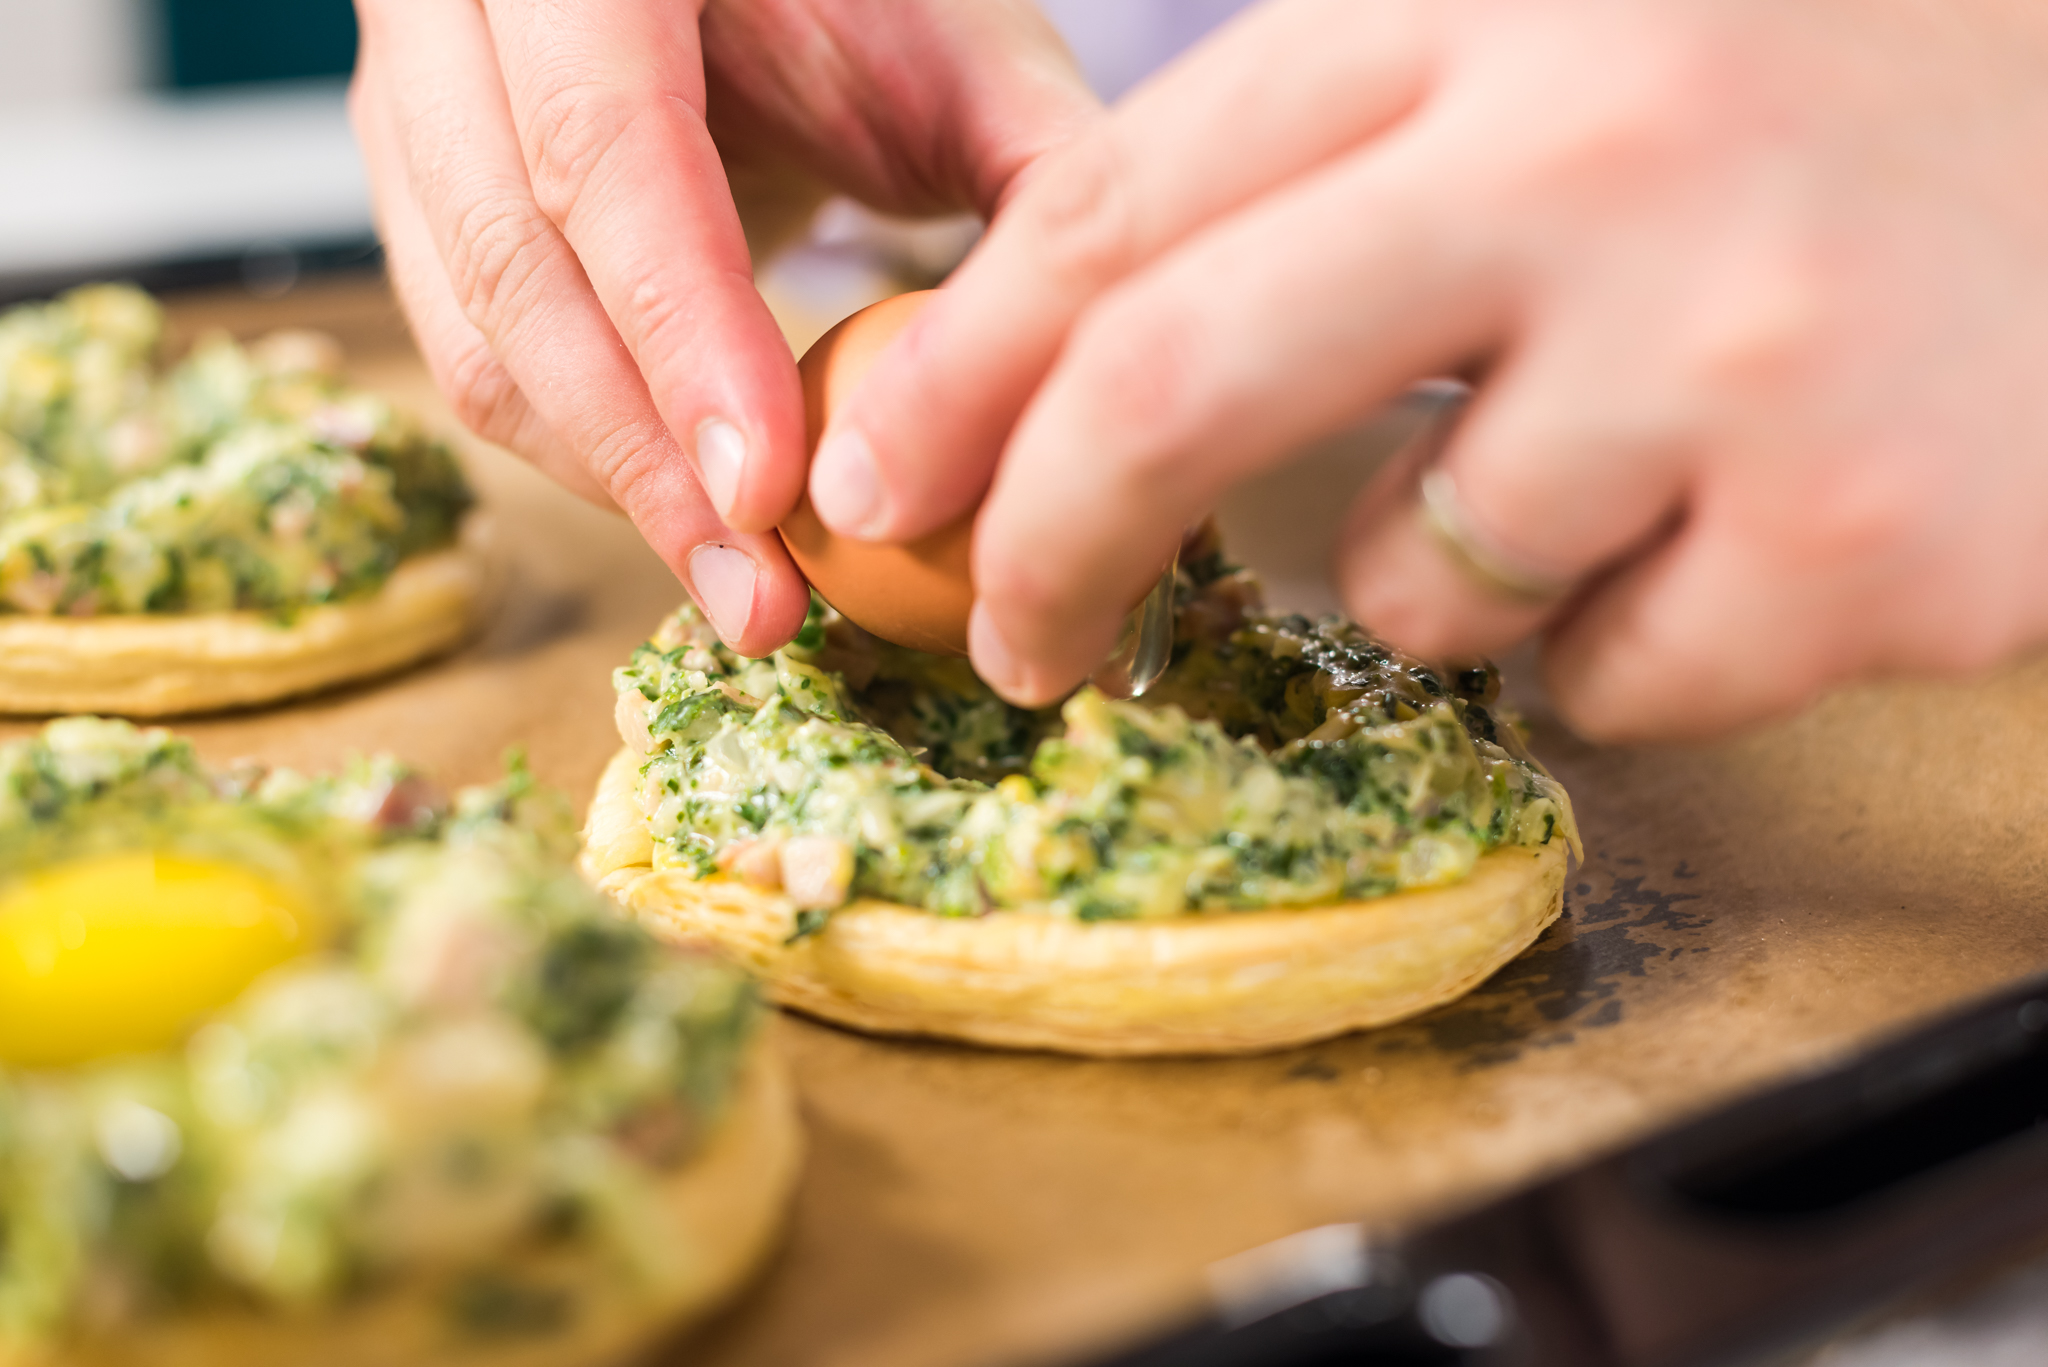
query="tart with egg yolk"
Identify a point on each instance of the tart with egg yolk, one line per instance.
(1149, 883)
(237, 528)
(328, 1072)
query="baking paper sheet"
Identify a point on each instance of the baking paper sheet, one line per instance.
(1746, 910)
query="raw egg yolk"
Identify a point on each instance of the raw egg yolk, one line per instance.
(122, 953)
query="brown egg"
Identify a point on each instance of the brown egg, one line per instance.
(916, 594)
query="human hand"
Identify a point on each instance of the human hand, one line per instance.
(560, 224)
(1757, 296)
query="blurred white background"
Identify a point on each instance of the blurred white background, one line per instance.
(195, 141)
(175, 141)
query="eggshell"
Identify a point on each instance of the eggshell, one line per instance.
(916, 594)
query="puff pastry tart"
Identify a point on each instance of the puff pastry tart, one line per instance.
(329, 1071)
(1297, 833)
(238, 528)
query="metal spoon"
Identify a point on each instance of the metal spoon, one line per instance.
(1145, 647)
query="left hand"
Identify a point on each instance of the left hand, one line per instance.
(569, 192)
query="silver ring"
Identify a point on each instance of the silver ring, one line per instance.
(1443, 512)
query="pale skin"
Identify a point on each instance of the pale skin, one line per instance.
(567, 191)
(1755, 293)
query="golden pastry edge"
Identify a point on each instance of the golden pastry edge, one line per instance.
(727, 1206)
(171, 665)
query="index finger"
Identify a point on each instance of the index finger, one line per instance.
(917, 443)
(608, 100)
(521, 287)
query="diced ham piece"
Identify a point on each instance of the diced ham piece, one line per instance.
(736, 694)
(816, 871)
(37, 593)
(757, 863)
(409, 802)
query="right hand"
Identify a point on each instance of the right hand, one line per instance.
(555, 185)
(1756, 295)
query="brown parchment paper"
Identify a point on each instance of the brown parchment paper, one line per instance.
(1745, 911)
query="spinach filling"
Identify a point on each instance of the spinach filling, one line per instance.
(1279, 762)
(483, 1061)
(243, 477)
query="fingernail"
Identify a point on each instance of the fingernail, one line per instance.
(721, 458)
(723, 577)
(993, 659)
(845, 489)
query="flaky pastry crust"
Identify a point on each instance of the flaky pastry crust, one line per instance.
(161, 666)
(1214, 983)
(724, 1210)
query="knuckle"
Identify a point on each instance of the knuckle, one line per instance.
(1585, 155)
(1656, 98)
(1762, 333)
(1858, 524)
(1077, 212)
(636, 466)
(573, 129)
(496, 252)
(663, 313)
(483, 394)
(1848, 514)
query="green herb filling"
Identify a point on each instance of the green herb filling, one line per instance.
(1278, 763)
(243, 477)
(486, 1061)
